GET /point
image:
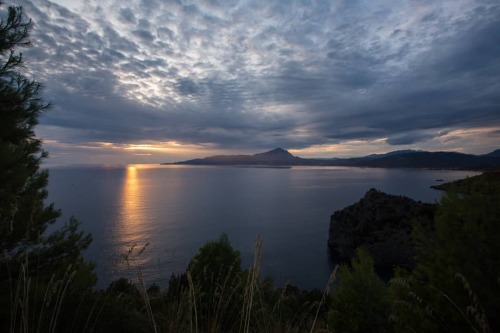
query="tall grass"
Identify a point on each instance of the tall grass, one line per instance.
(29, 312)
(250, 288)
(247, 304)
(474, 316)
(474, 309)
(242, 302)
(326, 294)
(130, 259)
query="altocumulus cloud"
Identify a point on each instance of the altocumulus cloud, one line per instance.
(251, 75)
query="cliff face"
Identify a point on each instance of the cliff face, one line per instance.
(382, 224)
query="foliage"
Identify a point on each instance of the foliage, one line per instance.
(215, 274)
(455, 285)
(23, 216)
(214, 261)
(290, 309)
(226, 306)
(44, 278)
(361, 300)
(122, 309)
(37, 270)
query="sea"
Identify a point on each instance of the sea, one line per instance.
(148, 221)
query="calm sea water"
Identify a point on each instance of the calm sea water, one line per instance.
(177, 209)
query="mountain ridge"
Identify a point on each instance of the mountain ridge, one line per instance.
(394, 159)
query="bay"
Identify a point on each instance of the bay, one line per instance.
(170, 211)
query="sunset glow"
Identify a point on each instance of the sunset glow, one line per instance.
(167, 81)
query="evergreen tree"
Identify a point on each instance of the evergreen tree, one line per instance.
(215, 261)
(27, 252)
(22, 186)
(361, 300)
(216, 279)
(455, 286)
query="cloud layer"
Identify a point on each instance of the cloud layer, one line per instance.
(243, 75)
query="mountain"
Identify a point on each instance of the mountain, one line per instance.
(434, 160)
(495, 153)
(392, 153)
(395, 159)
(278, 157)
(276, 154)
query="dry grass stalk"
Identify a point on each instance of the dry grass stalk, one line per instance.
(251, 286)
(475, 309)
(326, 292)
(131, 261)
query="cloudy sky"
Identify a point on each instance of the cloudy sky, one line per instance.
(165, 80)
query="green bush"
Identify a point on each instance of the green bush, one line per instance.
(455, 284)
(361, 301)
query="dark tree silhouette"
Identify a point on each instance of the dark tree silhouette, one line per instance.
(27, 252)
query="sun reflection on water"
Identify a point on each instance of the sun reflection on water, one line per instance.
(132, 230)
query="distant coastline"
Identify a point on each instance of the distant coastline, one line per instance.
(397, 159)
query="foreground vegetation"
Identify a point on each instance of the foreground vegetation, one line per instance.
(47, 286)
(454, 287)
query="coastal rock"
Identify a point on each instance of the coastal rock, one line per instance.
(382, 224)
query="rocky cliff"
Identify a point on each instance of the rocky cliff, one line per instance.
(382, 224)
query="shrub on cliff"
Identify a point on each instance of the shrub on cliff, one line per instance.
(455, 284)
(215, 274)
(361, 300)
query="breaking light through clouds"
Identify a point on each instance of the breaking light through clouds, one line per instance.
(159, 81)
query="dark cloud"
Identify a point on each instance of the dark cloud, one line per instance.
(144, 35)
(127, 15)
(185, 86)
(409, 138)
(263, 74)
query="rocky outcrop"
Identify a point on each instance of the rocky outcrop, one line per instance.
(382, 224)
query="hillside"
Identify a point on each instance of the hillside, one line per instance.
(396, 159)
(488, 182)
(277, 156)
(380, 223)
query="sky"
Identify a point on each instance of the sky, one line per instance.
(150, 81)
